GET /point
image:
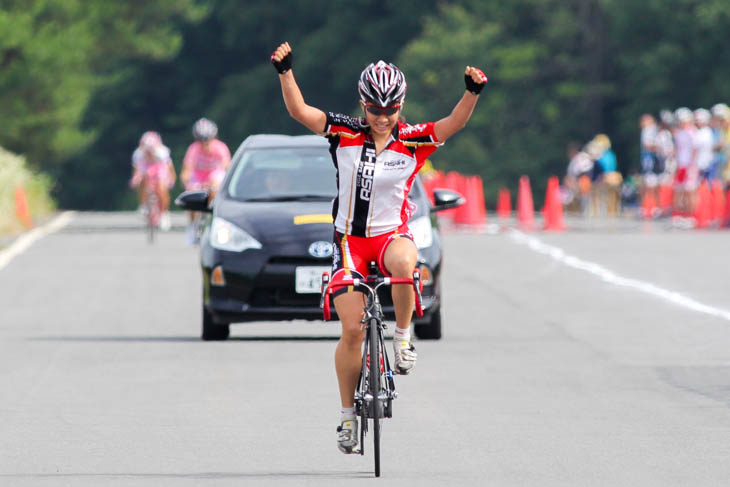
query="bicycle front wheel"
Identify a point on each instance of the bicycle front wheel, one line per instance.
(150, 224)
(375, 389)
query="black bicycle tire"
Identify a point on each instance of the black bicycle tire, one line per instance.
(377, 409)
(150, 225)
(363, 390)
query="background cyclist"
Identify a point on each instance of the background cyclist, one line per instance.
(377, 158)
(204, 166)
(153, 168)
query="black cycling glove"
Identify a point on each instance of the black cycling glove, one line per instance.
(473, 87)
(284, 65)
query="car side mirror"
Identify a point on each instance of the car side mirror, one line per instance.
(445, 199)
(194, 201)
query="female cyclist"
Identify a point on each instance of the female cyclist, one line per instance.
(204, 166)
(377, 158)
(153, 168)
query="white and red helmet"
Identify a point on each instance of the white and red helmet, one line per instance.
(382, 84)
(150, 140)
(205, 129)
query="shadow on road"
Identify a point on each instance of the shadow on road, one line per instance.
(273, 338)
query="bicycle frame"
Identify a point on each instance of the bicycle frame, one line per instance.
(375, 388)
(154, 211)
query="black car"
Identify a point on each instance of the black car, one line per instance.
(269, 236)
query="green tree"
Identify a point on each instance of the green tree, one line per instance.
(545, 69)
(55, 54)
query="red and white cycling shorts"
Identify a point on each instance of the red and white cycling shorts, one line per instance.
(352, 254)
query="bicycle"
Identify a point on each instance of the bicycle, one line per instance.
(153, 212)
(375, 389)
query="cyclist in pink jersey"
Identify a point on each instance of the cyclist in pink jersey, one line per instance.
(204, 166)
(376, 157)
(153, 168)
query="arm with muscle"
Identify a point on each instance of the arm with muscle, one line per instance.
(312, 118)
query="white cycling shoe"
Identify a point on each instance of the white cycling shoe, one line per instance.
(347, 436)
(165, 222)
(405, 356)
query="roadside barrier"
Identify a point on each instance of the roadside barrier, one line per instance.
(553, 209)
(21, 207)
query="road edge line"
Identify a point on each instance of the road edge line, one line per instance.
(27, 239)
(611, 277)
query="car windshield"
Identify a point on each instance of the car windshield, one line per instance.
(283, 174)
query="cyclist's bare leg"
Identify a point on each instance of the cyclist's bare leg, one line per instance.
(348, 354)
(400, 260)
(164, 194)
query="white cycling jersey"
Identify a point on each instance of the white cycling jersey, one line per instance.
(372, 195)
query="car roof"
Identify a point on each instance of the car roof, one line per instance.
(262, 141)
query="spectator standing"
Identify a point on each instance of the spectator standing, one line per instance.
(649, 159)
(578, 177)
(664, 145)
(704, 144)
(597, 207)
(720, 139)
(610, 184)
(685, 181)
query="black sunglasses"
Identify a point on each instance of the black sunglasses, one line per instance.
(377, 111)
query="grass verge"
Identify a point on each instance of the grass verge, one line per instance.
(37, 187)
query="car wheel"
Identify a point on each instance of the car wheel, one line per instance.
(432, 329)
(212, 330)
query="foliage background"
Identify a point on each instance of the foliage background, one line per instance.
(80, 80)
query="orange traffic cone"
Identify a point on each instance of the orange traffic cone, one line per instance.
(703, 208)
(480, 207)
(648, 204)
(21, 207)
(666, 196)
(718, 202)
(553, 210)
(504, 203)
(525, 206)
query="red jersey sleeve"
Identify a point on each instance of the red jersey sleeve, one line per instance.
(420, 138)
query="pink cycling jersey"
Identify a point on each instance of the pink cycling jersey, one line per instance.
(154, 166)
(206, 165)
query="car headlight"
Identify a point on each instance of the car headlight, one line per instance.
(224, 235)
(422, 231)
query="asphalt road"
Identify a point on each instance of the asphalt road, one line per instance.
(549, 374)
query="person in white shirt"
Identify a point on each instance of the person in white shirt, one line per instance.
(703, 143)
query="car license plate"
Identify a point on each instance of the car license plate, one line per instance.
(309, 279)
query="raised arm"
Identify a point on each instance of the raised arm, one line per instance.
(312, 118)
(456, 120)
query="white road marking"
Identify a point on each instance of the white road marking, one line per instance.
(29, 238)
(611, 277)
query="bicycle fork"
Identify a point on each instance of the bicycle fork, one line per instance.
(363, 396)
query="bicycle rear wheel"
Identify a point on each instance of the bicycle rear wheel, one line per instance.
(150, 224)
(375, 388)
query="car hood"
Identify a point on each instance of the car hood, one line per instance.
(286, 223)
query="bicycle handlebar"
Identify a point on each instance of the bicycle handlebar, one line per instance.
(372, 283)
